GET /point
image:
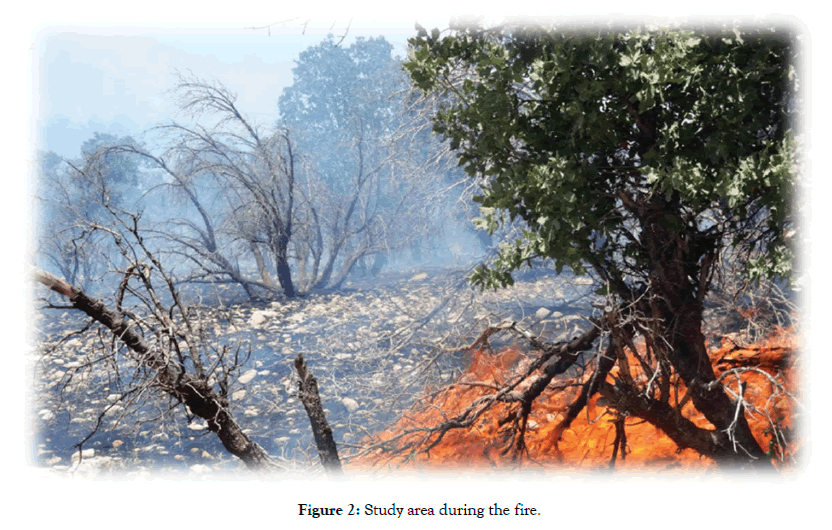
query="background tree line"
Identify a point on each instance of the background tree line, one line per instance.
(346, 178)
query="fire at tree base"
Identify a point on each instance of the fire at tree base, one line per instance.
(767, 375)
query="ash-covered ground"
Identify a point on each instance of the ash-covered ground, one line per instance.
(374, 346)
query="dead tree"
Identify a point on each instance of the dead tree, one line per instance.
(188, 387)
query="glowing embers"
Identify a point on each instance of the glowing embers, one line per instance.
(766, 373)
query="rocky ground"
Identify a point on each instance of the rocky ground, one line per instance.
(373, 346)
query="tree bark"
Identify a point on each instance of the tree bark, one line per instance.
(691, 361)
(261, 266)
(284, 277)
(172, 378)
(677, 253)
(284, 273)
(311, 400)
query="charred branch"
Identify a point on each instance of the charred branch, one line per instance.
(555, 360)
(308, 394)
(589, 388)
(170, 375)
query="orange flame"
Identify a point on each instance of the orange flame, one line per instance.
(768, 371)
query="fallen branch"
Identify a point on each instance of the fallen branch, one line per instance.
(194, 392)
(311, 400)
(554, 360)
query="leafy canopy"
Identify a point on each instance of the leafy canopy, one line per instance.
(342, 96)
(565, 127)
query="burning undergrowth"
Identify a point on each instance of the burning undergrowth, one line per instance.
(479, 419)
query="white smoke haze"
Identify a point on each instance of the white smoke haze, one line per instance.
(90, 70)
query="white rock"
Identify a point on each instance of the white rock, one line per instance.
(248, 376)
(418, 277)
(350, 404)
(86, 453)
(542, 313)
(199, 469)
(257, 319)
(94, 466)
(238, 395)
(197, 426)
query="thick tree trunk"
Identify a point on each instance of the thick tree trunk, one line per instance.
(690, 359)
(284, 272)
(284, 277)
(678, 284)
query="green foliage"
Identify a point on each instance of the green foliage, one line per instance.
(563, 125)
(340, 97)
(116, 172)
(121, 169)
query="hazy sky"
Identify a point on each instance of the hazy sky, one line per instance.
(89, 81)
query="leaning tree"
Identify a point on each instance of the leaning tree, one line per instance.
(639, 157)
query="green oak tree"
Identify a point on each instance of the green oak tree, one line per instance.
(638, 156)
